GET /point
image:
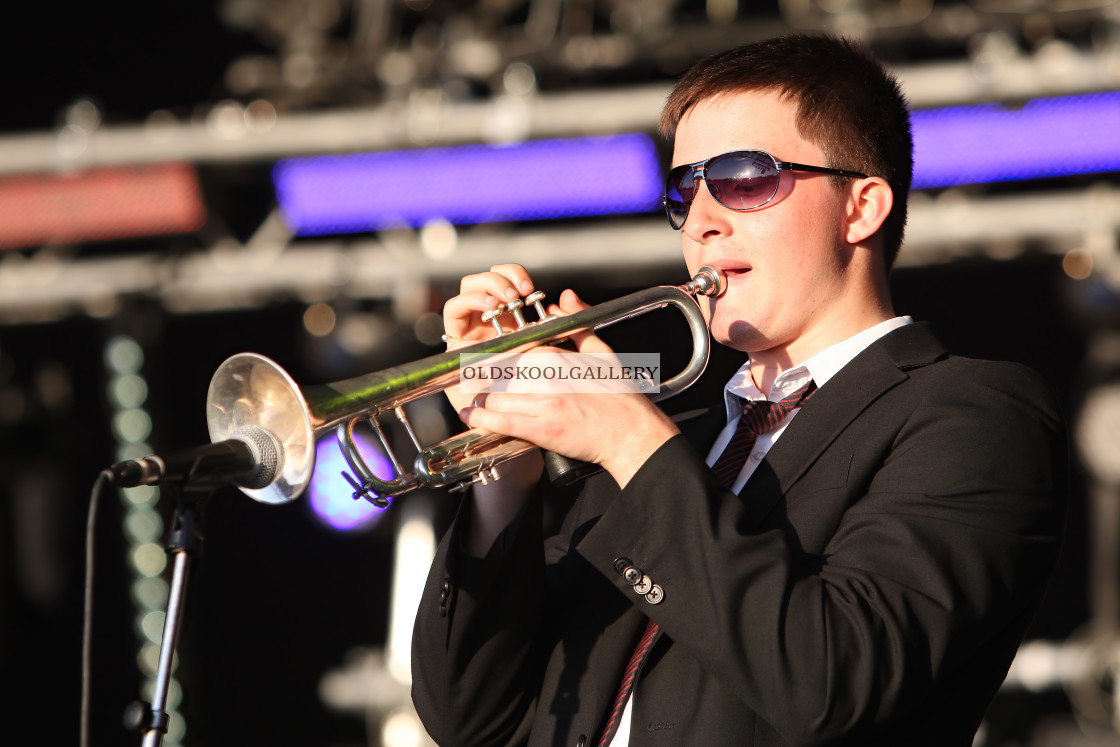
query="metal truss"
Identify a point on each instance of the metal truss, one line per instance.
(398, 267)
(233, 133)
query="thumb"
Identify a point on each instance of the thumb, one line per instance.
(585, 342)
(571, 303)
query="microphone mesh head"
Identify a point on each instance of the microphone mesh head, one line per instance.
(268, 452)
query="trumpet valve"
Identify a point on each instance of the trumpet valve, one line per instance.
(492, 317)
(514, 307)
(535, 299)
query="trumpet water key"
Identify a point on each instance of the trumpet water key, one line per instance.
(249, 392)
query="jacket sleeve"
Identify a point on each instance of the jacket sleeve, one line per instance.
(482, 635)
(938, 526)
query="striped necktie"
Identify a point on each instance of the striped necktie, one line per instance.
(756, 418)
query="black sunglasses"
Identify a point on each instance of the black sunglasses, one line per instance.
(739, 180)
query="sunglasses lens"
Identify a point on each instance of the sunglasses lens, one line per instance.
(679, 191)
(742, 180)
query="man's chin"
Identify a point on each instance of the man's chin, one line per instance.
(740, 336)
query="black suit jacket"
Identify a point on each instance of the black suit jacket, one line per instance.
(870, 584)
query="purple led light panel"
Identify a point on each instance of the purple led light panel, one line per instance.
(469, 184)
(620, 174)
(991, 143)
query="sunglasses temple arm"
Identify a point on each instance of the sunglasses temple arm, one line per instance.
(790, 166)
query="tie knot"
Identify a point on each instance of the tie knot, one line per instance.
(757, 418)
(761, 416)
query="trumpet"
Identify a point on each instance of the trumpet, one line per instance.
(250, 394)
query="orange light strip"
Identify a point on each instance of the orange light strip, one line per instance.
(99, 205)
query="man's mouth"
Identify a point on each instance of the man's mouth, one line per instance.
(734, 271)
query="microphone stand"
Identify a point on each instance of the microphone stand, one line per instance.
(184, 541)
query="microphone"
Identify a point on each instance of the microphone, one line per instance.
(252, 458)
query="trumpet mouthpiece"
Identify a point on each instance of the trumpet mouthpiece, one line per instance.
(708, 281)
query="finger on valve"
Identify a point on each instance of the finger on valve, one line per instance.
(475, 313)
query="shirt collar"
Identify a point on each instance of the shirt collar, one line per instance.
(820, 368)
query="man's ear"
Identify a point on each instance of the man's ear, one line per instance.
(871, 201)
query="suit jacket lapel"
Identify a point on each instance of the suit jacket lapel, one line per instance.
(833, 407)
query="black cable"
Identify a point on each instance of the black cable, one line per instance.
(103, 479)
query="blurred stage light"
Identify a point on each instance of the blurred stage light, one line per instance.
(99, 205)
(992, 143)
(331, 496)
(319, 319)
(469, 184)
(142, 524)
(415, 549)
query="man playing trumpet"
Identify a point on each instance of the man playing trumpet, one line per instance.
(847, 549)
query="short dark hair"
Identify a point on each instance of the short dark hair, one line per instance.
(847, 104)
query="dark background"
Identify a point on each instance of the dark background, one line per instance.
(276, 598)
